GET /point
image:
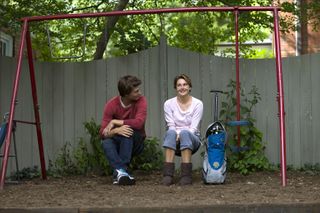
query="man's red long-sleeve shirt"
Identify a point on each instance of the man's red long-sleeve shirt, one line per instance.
(133, 116)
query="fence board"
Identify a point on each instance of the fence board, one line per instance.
(100, 87)
(293, 110)
(46, 91)
(266, 109)
(58, 112)
(304, 96)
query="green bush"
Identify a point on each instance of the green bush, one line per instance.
(26, 173)
(99, 159)
(71, 161)
(252, 158)
(151, 158)
(64, 163)
(79, 161)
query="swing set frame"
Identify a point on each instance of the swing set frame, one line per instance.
(26, 39)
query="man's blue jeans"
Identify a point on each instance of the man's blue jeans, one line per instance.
(119, 149)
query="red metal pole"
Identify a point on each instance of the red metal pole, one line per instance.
(149, 11)
(236, 15)
(280, 99)
(35, 105)
(12, 107)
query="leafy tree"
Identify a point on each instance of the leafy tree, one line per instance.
(302, 12)
(108, 29)
(112, 36)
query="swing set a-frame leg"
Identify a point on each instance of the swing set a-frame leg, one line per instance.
(25, 36)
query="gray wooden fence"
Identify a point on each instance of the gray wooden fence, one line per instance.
(72, 93)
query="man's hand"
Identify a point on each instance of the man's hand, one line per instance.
(106, 131)
(125, 131)
(111, 128)
(108, 127)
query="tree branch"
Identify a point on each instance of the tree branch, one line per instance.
(110, 23)
(96, 6)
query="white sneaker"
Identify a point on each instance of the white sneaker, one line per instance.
(123, 178)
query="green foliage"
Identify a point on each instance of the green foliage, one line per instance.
(83, 158)
(312, 169)
(64, 163)
(11, 11)
(72, 161)
(262, 53)
(200, 32)
(151, 158)
(81, 161)
(247, 160)
(78, 160)
(301, 12)
(98, 155)
(27, 173)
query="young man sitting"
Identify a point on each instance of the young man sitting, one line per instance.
(123, 128)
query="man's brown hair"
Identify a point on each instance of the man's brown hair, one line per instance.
(127, 83)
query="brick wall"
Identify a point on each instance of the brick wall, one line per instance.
(305, 41)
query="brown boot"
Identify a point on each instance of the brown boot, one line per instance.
(168, 171)
(186, 174)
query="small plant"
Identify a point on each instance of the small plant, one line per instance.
(151, 158)
(83, 158)
(99, 158)
(27, 173)
(72, 161)
(79, 161)
(64, 163)
(252, 158)
(312, 169)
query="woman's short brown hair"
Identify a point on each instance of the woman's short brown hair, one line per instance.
(184, 77)
(127, 83)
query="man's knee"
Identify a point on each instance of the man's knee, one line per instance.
(106, 142)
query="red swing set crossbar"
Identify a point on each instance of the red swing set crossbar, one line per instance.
(26, 38)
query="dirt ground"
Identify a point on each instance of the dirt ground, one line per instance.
(97, 191)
